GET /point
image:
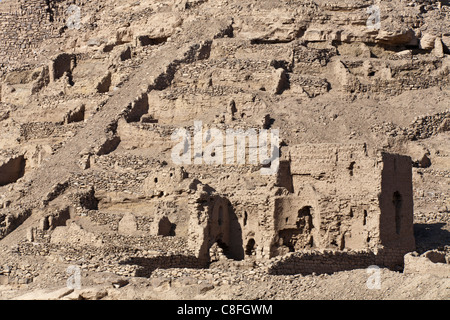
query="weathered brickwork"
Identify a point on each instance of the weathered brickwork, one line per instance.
(25, 24)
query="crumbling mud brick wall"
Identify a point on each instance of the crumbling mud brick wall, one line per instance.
(330, 261)
(334, 200)
(213, 221)
(345, 199)
(325, 261)
(342, 198)
(24, 24)
(396, 204)
(147, 265)
(256, 225)
(11, 219)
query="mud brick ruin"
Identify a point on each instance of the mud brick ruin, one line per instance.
(92, 93)
(313, 211)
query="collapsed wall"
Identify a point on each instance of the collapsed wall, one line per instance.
(432, 262)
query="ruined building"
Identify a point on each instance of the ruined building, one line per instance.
(337, 197)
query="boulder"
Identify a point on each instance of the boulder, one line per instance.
(128, 224)
(427, 41)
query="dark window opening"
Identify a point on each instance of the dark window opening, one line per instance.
(350, 168)
(342, 246)
(148, 41)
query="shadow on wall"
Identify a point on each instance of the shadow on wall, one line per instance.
(235, 248)
(146, 266)
(12, 170)
(431, 236)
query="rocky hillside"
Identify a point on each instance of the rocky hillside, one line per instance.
(87, 115)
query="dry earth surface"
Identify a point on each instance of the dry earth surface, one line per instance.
(87, 112)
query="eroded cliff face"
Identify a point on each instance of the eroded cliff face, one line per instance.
(135, 136)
